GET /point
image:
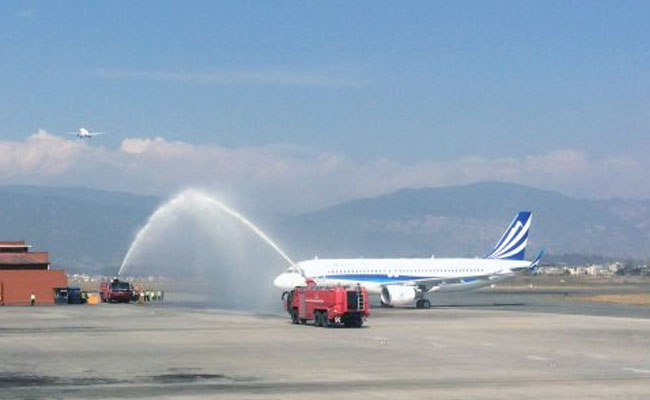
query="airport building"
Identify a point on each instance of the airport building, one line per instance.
(23, 273)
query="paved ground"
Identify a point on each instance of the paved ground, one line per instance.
(500, 345)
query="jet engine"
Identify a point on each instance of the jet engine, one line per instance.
(396, 295)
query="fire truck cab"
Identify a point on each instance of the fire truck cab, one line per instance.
(328, 305)
(115, 290)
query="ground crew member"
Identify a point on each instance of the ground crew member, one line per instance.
(32, 299)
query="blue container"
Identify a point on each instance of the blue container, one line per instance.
(61, 295)
(74, 295)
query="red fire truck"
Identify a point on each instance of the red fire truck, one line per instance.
(115, 290)
(328, 305)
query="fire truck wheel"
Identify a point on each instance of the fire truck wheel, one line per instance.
(322, 317)
(353, 322)
(325, 323)
(317, 318)
(294, 316)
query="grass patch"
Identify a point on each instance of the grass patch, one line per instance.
(637, 299)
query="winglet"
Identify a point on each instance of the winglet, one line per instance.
(535, 263)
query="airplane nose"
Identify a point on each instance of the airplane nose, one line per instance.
(278, 282)
(286, 281)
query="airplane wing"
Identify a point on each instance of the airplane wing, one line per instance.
(97, 133)
(429, 283)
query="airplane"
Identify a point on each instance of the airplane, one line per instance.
(85, 134)
(407, 281)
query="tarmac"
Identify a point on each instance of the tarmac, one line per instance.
(475, 345)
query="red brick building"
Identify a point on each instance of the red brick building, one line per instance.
(23, 273)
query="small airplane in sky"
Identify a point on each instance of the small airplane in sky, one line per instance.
(85, 133)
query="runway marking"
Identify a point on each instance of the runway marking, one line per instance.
(538, 358)
(598, 356)
(382, 340)
(637, 370)
(436, 341)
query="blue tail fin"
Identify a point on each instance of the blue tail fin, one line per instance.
(512, 244)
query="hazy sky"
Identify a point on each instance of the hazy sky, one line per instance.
(304, 104)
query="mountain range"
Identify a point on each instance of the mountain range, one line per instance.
(83, 229)
(90, 230)
(468, 220)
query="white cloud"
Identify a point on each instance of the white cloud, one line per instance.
(295, 179)
(41, 154)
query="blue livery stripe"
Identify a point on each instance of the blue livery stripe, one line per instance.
(379, 278)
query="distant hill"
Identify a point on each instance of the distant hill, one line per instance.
(90, 230)
(468, 220)
(83, 229)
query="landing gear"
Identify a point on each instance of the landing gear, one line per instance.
(423, 303)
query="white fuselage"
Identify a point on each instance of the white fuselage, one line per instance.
(406, 281)
(463, 273)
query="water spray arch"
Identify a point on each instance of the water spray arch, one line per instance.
(189, 198)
